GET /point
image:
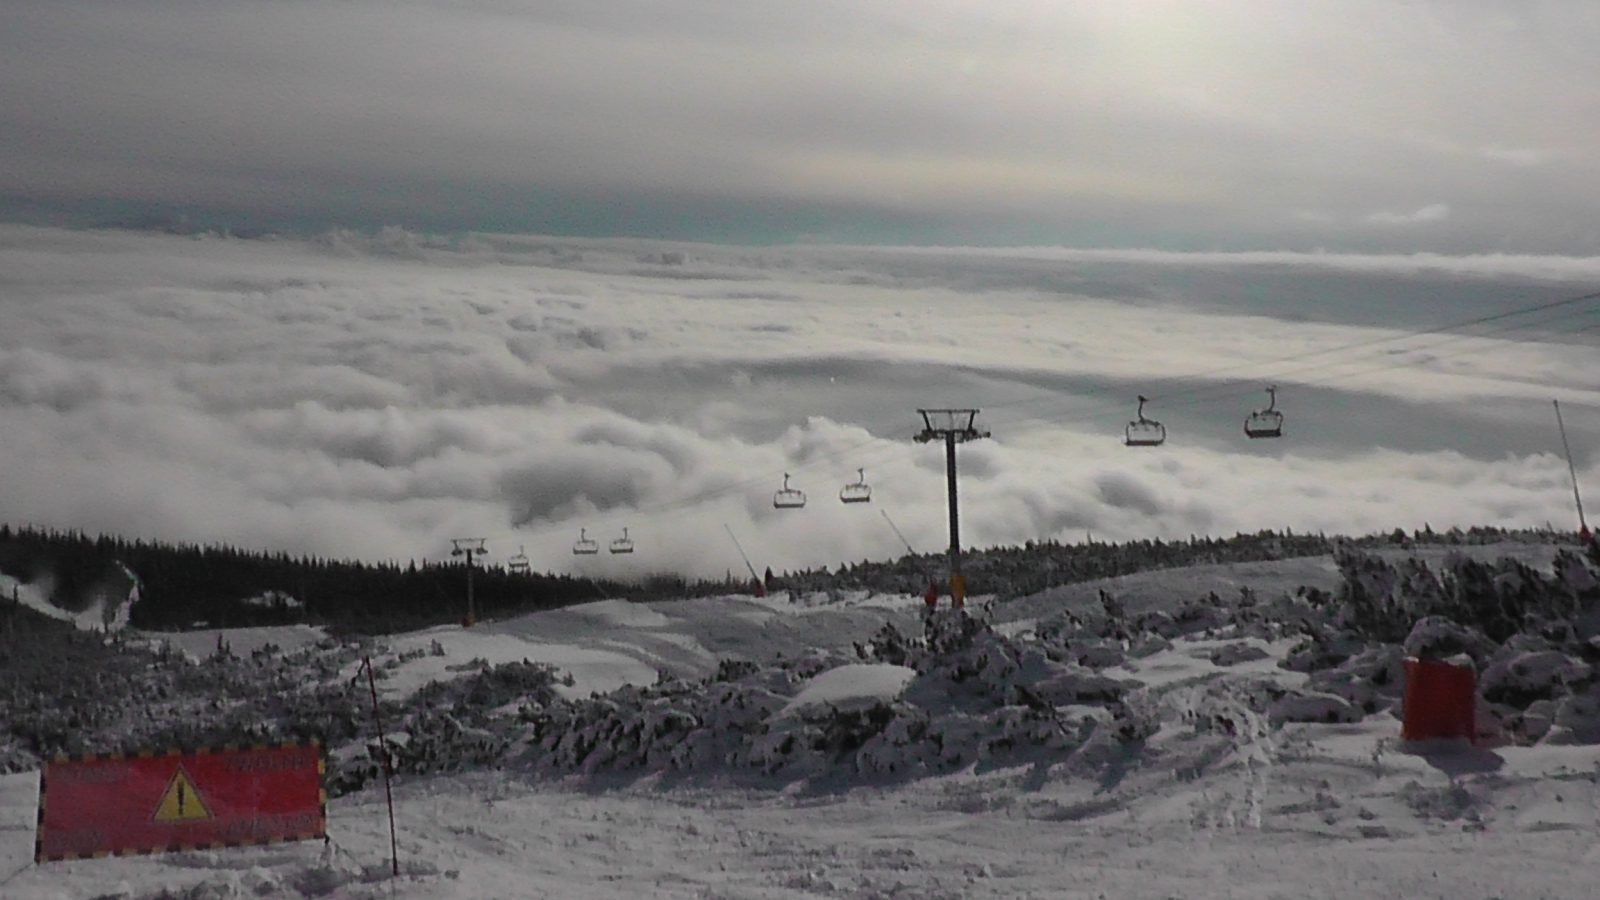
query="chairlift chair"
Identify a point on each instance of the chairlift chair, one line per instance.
(585, 546)
(788, 498)
(859, 492)
(519, 564)
(1144, 432)
(622, 544)
(1265, 423)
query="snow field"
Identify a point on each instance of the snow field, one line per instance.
(1239, 745)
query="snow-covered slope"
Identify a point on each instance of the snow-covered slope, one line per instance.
(104, 612)
(1153, 744)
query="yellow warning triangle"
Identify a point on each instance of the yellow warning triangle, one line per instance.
(180, 802)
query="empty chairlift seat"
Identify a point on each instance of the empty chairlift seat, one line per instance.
(787, 497)
(1265, 423)
(622, 544)
(859, 492)
(585, 546)
(1142, 432)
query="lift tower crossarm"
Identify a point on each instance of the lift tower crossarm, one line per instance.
(954, 426)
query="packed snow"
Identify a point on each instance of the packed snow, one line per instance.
(852, 685)
(1214, 732)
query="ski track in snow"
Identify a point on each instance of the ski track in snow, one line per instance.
(1300, 811)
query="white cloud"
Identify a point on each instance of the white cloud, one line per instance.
(1521, 157)
(1433, 212)
(284, 396)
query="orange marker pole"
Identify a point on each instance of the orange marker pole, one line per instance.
(383, 747)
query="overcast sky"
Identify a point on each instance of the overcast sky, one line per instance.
(374, 396)
(1365, 125)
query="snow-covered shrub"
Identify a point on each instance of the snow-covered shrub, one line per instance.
(1101, 656)
(1576, 720)
(1518, 678)
(1071, 685)
(1368, 681)
(899, 749)
(1149, 645)
(1021, 727)
(1235, 653)
(1198, 615)
(440, 742)
(951, 631)
(1380, 601)
(1322, 649)
(1438, 637)
(888, 645)
(734, 669)
(490, 687)
(843, 731)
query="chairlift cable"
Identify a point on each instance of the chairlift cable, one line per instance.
(897, 454)
(1354, 345)
(1222, 393)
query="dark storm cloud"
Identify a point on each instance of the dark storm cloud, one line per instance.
(1243, 124)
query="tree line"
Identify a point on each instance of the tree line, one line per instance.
(187, 585)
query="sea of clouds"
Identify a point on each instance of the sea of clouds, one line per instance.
(373, 396)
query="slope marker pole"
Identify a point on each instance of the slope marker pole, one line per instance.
(1583, 526)
(753, 576)
(897, 533)
(383, 747)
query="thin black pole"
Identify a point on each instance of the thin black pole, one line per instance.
(383, 747)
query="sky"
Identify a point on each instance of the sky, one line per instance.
(356, 278)
(1369, 126)
(373, 396)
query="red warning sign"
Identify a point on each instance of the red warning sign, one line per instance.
(144, 803)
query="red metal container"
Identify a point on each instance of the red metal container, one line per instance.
(1440, 700)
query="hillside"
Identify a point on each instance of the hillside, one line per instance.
(1243, 715)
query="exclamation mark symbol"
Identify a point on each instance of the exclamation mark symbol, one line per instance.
(180, 802)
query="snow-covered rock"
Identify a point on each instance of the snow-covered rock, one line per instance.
(1314, 707)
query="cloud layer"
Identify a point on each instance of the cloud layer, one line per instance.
(376, 396)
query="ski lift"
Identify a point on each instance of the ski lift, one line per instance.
(519, 564)
(788, 498)
(1265, 423)
(622, 544)
(585, 546)
(1144, 432)
(859, 492)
